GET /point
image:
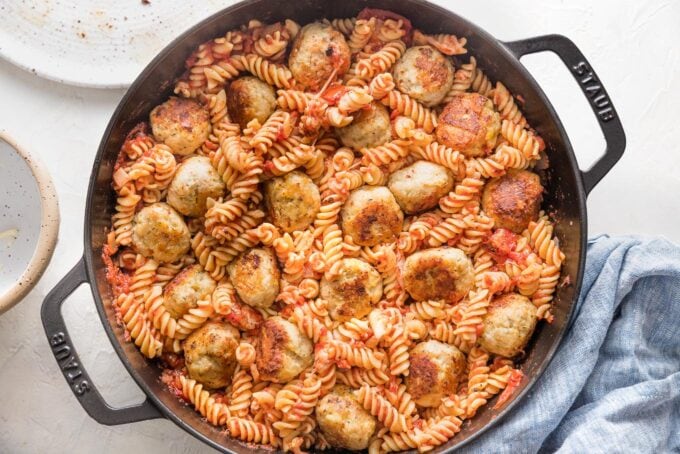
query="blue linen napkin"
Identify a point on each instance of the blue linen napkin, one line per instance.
(614, 383)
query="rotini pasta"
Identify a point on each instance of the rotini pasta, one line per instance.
(325, 273)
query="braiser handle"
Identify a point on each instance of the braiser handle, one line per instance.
(595, 92)
(69, 362)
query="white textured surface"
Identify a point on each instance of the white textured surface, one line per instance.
(632, 45)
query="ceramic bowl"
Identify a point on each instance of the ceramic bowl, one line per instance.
(29, 221)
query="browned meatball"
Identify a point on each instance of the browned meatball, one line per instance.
(434, 371)
(419, 186)
(513, 200)
(282, 351)
(353, 291)
(343, 421)
(180, 123)
(424, 74)
(209, 354)
(255, 276)
(508, 325)
(469, 124)
(249, 98)
(371, 216)
(195, 180)
(317, 51)
(370, 128)
(293, 201)
(442, 273)
(160, 233)
(186, 289)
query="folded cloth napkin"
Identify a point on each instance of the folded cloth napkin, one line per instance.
(613, 385)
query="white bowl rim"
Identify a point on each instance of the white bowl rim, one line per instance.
(49, 228)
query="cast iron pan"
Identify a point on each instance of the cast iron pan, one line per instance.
(567, 189)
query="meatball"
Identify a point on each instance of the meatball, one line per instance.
(370, 128)
(424, 74)
(293, 201)
(255, 276)
(371, 216)
(513, 200)
(189, 287)
(209, 354)
(433, 373)
(508, 325)
(419, 186)
(469, 124)
(282, 351)
(317, 51)
(442, 273)
(180, 123)
(344, 421)
(195, 180)
(160, 233)
(248, 98)
(352, 291)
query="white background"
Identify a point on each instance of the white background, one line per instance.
(633, 46)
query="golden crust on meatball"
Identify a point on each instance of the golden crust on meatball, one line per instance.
(250, 98)
(372, 216)
(180, 123)
(424, 74)
(160, 233)
(318, 50)
(419, 186)
(370, 128)
(434, 274)
(282, 351)
(293, 200)
(508, 325)
(469, 124)
(513, 200)
(209, 354)
(185, 290)
(195, 180)
(343, 421)
(352, 292)
(255, 276)
(434, 371)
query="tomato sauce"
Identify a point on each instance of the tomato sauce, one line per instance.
(119, 281)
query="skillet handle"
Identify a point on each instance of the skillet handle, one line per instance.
(595, 92)
(70, 364)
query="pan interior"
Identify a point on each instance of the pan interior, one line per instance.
(564, 198)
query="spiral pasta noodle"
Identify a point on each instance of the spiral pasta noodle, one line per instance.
(381, 85)
(216, 413)
(506, 105)
(361, 34)
(521, 139)
(138, 326)
(253, 432)
(382, 60)
(425, 118)
(381, 408)
(271, 73)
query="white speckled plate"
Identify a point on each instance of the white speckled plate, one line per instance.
(29, 221)
(94, 43)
